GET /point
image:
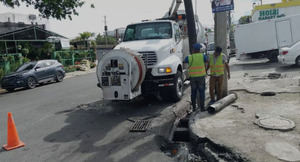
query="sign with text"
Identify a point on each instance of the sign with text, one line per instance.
(270, 14)
(222, 5)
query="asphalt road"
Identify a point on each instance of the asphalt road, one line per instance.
(68, 121)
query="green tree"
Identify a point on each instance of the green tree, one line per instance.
(101, 40)
(245, 19)
(86, 35)
(59, 9)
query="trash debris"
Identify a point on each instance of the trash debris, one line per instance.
(239, 108)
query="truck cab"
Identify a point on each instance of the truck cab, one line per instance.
(163, 48)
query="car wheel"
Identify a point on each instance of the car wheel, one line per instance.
(10, 89)
(31, 83)
(177, 89)
(59, 77)
(298, 61)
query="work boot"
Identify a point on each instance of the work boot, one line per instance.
(202, 109)
(211, 102)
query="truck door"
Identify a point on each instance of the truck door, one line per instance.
(178, 41)
(284, 33)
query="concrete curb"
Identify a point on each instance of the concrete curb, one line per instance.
(198, 137)
(176, 110)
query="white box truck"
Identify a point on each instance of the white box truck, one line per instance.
(265, 38)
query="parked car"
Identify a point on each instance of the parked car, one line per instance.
(211, 48)
(33, 73)
(290, 55)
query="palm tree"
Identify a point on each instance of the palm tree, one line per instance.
(86, 35)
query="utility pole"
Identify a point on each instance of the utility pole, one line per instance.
(221, 33)
(189, 11)
(105, 29)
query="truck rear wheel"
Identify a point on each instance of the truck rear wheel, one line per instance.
(272, 56)
(298, 61)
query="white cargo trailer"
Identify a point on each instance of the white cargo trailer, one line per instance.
(264, 38)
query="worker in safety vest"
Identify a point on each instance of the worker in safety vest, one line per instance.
(217, 63)
(197, 72)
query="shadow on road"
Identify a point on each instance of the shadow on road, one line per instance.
(24, 89)
(252, 66)
(103, 129)
(289, 68)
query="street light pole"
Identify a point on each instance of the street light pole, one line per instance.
(105, 29)
(221, 34)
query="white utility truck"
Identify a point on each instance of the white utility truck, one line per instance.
(265, 38)
(149, 61)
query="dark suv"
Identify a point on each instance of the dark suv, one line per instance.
(32, 73)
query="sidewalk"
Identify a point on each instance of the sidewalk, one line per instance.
(234, 126)
(68, 75)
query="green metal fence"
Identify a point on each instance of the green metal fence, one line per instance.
(71, 57)
(10, 63)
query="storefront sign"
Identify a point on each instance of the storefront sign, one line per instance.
(269, 14)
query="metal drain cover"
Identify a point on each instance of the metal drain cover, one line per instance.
(140, 126)
(275, 123)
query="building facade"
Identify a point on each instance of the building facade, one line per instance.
(14, 21)
(276, 10)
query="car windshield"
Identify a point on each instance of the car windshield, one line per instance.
(161, 30)
(211, 47)
(27, 66)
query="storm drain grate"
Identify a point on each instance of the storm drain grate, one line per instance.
(140, 126)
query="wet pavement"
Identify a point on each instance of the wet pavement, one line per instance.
(68, 121)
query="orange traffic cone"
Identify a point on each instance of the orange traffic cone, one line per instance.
(13, 140)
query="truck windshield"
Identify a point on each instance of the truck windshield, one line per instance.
(161, 30)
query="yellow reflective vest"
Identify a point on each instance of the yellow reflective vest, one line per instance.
(196, 65)
(218, 68)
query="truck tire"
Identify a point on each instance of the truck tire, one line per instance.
(298, 61)
(176, 91)
(272, 56)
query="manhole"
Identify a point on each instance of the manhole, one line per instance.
(275, 123)
(283, 151)
(140, 126)
(268, 94)
(274, 75)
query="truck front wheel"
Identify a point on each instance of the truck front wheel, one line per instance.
(176, 91)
